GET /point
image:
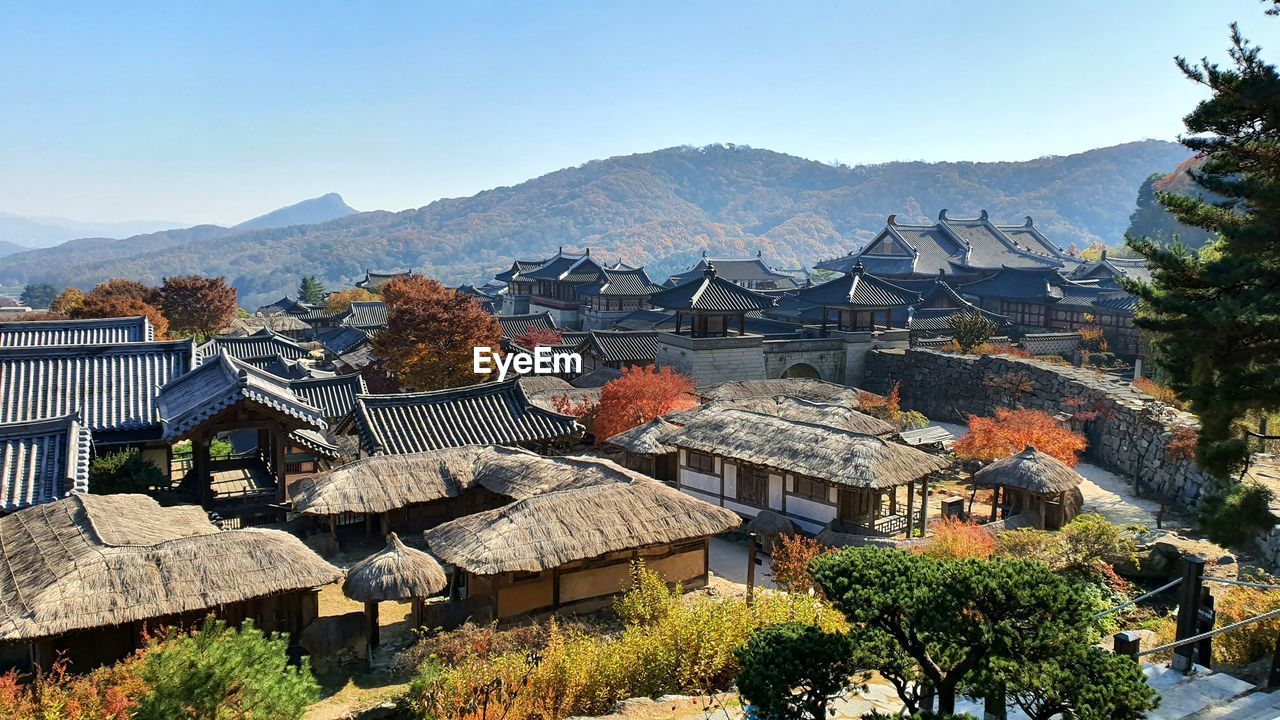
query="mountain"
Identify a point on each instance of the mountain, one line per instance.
(38, 232)
(307, 212)
(8, 248)
(1152, 220)
(660, 209)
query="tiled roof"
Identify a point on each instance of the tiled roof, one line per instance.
(317, 442)
(632, 282)
(517, 268)
(859, 289)
(343, 340)
(367, 314)
(621, 345)
(1119, 302)
(1017, 284)
(1077, 295)
(358, 358)
(316, 314)
(335, 397)
(286, 305)
(374, 279)
(219, 383)
(513, 326)
(645, 319)
(110, 387)
(939, 319)
(473, 291)
(42, 461)
(1130, 268)
(487, 414)
(556, 267)
(713, 294)
(263, 343)
(280, 367)
(76, 332)
(750, 269)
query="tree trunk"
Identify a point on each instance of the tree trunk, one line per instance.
(947, 699)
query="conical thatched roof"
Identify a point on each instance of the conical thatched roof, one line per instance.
(577, 523)
(395, 573)
(810, 389)
(387, 482)
(1030, 470)
(647, 439)
(94, 560)
(817, 451)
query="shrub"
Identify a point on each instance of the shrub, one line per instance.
(124, 471)
(1251, 642)
(108, 693)
(1011, 431)
(1158, 392)
(648, 601)
(889, 409)
(1002, 349)
(1086, 548)
(955, 539)
(789, 562)
(1092, 339)
(224, 673)
(791, 671)
(1236, 516)
(972, 329)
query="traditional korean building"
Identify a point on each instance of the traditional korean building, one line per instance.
(939, 303)
(859, 301)
(617, 349)
(42, 461)
(578, 291)
(367, 315)
(262, 344)
(374, 280)
(104, 331)
(614, 295)
(749, 272)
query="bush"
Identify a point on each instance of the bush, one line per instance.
(1251, 642)
(108, 693)
(789, 562)
(957, 540)
(1235, 517)
(791, 671)
(1159, 392)
(1087, 548)
(1011, 431)
(224, 673)
(124, 471)
(889, 409)
(972, 330)
(669, 646)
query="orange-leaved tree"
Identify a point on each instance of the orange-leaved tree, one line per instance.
(340, 301)
(198, 306)
(889, 408)
(538, 337)
(640, 395)
(67, 301)
(124, 298)
(431, 332)
(1011, 431)
(584, 408)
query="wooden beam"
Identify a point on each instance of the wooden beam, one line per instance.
(201, 469)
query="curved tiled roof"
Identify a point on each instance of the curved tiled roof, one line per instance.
(749, 269)
(76, 332)
(496, 413)
(42, 461)
(712, 293)
(513, 326)
(631, 282)
(621, 345)
(1017, 284)
(110, 387)
(335, 397)
(263, 343)
(221, 382)
(859, 289)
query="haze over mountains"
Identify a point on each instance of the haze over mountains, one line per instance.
(22, 233)
(660, 209)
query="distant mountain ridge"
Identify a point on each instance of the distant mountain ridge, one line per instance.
(308, 212)
(660, 209)
(38, 232)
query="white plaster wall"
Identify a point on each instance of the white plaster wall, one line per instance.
(699, 481)
(810, 509)
(730, 480)
(775, 492)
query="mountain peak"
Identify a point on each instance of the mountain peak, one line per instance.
(329, 206)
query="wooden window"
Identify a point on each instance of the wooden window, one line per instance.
(814, 490)
(700, 462)
(753, 486)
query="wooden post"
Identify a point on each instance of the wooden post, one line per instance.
(1207, 618)
(1188, 611)
(201, 470)
(371, 614)
(333, 527)
(751, 567)
(911, 504)
(1273, 677)
(995, 503)
(1127, 643)
(924, 507)
(277, 463)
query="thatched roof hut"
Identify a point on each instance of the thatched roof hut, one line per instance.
(90, 561)
(810, 389)
(388, 482)
(813, 450)
(395, 573)
(546, 531)
(647, 439)
(789, 407)
(1032, 471)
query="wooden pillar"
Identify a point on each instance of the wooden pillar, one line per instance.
(911, 504)
(371, 614)
(751, 567)
(924, 506)
(742, 324)
(201, 470)
(333, 527)
(1188, 611)
(277, 462)
(995, 502)
(368, 525)
(824, 320)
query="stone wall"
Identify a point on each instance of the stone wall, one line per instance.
(712, 360)
(1128, 434)
(826, 355)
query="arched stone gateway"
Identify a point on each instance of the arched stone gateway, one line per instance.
(802, 370)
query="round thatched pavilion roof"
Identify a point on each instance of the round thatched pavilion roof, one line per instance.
(1030, 470)
(395, 573)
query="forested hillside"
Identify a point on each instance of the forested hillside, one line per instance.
(1151, 220)
(667, 205)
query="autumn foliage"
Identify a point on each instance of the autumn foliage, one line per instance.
(538, 337)
(789, 562)
(1011, 431)
(198, 306)
(584, 409)
(67, 301)
(124, 298)
(1157, 391)
(431, 332)
(641, 395)
(340, 301)
(889, 408)
(956, 539)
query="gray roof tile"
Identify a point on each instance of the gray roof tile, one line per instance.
(42, 461)
(712, 293)
(219, 383)
(76, 332)
(263, 343)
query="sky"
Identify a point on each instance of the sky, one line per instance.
(217, 112)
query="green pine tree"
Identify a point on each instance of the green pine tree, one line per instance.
(311, 290)
(1217, 315)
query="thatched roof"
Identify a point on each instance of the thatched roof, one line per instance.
(94, 560)
(577, 523)
(387, 482)
(647, 439)
(810, 389)
(396, 573)
(653, 438)
(1030, 470)
(818, 451)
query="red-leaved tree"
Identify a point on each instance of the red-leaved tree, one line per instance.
(538, 337)
(640, 395)
(431, 332)
(112, 303)
(198, 306)
(1011, 431)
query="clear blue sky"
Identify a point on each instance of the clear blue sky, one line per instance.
(215, 112)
